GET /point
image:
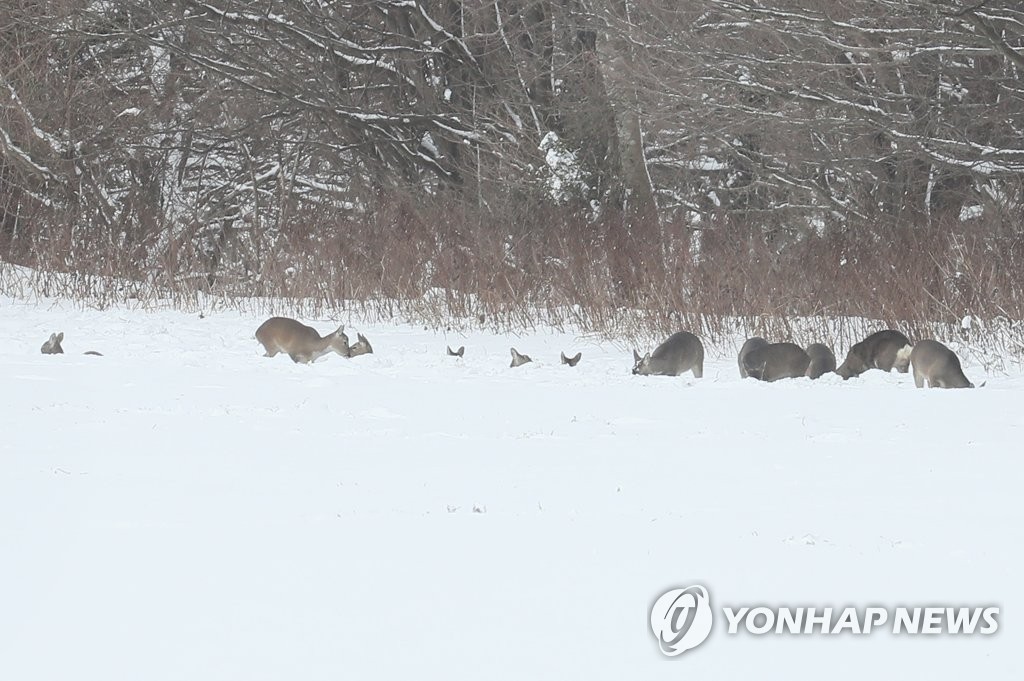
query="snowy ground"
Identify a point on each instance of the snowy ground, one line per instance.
(183, 508)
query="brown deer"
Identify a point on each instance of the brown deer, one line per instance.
(681, 352)
(53, 346)
(774, 361)
(823, 360)
(300, 342)
(938, 365)
(518, 360)
(572, 361)
(750, 345)
(881, 350)
(361, 347)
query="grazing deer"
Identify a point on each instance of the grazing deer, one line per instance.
(53, 346)
(518, 360)
(776, 360)
(456, 353)
(361, 347)
(300, 342)
(823, 360)
(572, 361)
(681, 352)
(750, 344)
(881, 350)
(937, 364)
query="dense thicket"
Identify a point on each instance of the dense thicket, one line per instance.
(238, 144)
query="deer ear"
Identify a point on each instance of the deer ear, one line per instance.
(636, 355)
(60, 336)
(361, 337)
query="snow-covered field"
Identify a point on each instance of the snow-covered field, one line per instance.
(183, 508)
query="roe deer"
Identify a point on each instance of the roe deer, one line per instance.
(750, 344)
(518, 360)
(882, 350)
(300, 342)
(681, 352)
(361, 347)
(937, 364)
(823, 360)
(776, 360)
(52, 346)
(572, 361)
(456, 353)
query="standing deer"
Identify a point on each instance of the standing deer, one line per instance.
(776, 360)
(823, 360)
(300, 342)
(748, 346)
(881, 350)
(681, 352)
(937, 364)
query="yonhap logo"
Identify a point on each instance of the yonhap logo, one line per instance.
(681, 619)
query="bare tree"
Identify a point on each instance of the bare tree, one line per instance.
(144, 125)
(835, 110)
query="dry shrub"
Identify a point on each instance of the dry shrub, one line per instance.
(454, 266)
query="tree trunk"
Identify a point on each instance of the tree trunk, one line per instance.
(617, 69)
